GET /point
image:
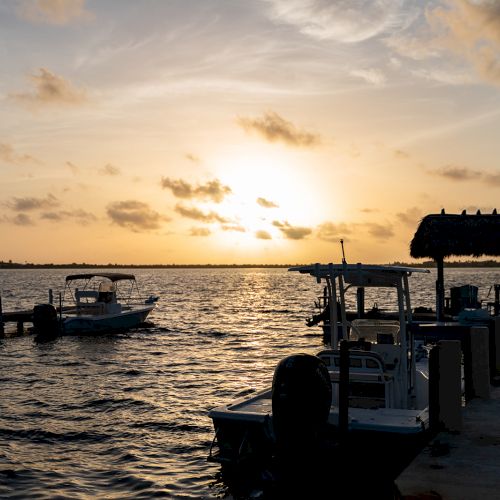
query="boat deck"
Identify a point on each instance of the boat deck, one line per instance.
(390, 420)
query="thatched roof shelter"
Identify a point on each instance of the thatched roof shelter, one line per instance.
(443, 235)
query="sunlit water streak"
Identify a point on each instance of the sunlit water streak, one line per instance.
(125, 415)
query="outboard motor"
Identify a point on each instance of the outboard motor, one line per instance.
(301, 401)
(45, 319)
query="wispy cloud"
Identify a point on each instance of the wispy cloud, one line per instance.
(135, 215)
(266, 203)
(410, 217)
(199, 231)
(371, 75)
(81, 216)
(346, 21)
(74, 168)
(109, 169)
(192, 157)
(197, 214)
(263, 235)
(328, 231)
(213, 190)
(292, 232)
(9, 155)
(49, 90)
(233, 227)
(457, 173)
(380, 231)
(461, 173)
(53, 11)
(274, 128)
(32, 203)
(471, 29)
(21, 219)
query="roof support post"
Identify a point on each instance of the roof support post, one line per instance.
(440, 289)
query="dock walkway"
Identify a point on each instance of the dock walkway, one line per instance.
(464, 466)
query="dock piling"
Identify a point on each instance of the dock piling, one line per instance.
(445, 392)
(2, 330)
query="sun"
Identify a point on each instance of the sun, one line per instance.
(267, 185)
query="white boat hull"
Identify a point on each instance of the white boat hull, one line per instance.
(86, 323)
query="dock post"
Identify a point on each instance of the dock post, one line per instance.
(480, 362)
(445, 391)
(2, 330)
(344, 391)
(51, 296)
(496, 325)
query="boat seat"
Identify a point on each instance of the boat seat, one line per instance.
(89, 294)
(358, 360)
(365, 367)
(375, 330)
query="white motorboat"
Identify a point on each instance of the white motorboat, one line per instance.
(95, 302)
(387, 378)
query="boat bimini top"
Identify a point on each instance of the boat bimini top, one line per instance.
(110, 276)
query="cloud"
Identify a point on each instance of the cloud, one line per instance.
(109, 169)
(135, 215)
(49, 89)
(471, 29)
(380, 231)
(371, 75)
(81, 216)
(410, 217)
(22, 220)
(74, 169)
(275, 128)
(233, 227)
(347, 21)
(9, 155)
(197, 214)
(398, 153)
(457, 173)
(213, 190)
(328, 231)
(462, 174)
(53, 11)
(263, 235)
(200, 231)
(193, 158)
(266, 203)
(493, 179)
(292, 232)
(32, 203)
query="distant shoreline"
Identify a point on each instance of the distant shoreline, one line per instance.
(426, 264)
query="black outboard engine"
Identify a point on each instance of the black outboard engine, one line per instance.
(301, 401)
(45, 319)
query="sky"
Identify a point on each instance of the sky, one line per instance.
(242, 131)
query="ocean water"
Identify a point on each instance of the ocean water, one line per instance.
(125, 415)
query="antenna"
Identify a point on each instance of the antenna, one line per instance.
(343, 254)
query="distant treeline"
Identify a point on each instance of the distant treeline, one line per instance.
(84, 265)
(467, 263)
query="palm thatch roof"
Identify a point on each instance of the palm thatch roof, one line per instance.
(442, 235)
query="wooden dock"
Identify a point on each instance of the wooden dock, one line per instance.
(17, 317)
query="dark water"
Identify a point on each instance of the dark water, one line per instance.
(125, 415)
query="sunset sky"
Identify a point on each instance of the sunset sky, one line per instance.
(242, 131)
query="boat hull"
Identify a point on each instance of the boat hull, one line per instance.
(244, 429)
(82, 324)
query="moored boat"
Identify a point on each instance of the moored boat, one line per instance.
(93, 303)
(387, 378)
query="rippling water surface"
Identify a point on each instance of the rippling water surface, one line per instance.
(125, 415)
